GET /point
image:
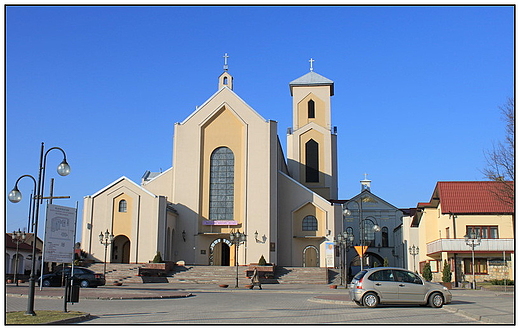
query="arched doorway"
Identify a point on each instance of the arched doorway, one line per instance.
(219, 252)
(120, 250)
(310, 257)
(371, 260)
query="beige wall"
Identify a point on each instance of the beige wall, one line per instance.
(140, 224)
(226, 120)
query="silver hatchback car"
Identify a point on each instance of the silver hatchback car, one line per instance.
(390, 285)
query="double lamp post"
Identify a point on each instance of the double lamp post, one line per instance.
(15, 196)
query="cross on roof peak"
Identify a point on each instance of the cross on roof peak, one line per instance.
(312, 61)
(225, 62)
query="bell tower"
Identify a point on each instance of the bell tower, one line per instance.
(225, 79)
(311, 142)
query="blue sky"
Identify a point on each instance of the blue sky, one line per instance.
(417, 89)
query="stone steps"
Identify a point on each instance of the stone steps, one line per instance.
(127, 273)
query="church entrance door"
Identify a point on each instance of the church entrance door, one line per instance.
(310, 257)
(120, 250)
(220, 252)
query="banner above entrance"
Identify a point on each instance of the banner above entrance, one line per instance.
(361, 250)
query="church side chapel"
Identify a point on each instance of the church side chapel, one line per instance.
(229, 177)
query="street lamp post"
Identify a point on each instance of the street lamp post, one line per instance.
(15, 196)
(106, 240)
(18, 237)
(344, 241)
(237, 239)
(473, 239)
(361, 225)
(414, 250)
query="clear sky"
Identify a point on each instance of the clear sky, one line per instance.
(417, 89)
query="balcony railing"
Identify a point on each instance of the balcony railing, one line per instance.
(459, 245)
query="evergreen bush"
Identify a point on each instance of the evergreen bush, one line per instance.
(157, 258)
(446, 272)
(427, 272)
(262, 261)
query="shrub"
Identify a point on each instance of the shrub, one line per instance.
(427, 272)
(446, 272)
(157, 258)
(262, 261)
(501, 282)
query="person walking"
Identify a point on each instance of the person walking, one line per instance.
(255, 280)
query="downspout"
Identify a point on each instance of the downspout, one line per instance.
(453, 216)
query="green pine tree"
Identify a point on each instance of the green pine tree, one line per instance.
(446, 272)
(427, 272)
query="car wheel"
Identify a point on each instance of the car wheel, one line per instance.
(84, 284)
(370, 300)
(359, 303)
(46, 283)
(436, 300)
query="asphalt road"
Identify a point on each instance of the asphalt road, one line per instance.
(277, 305)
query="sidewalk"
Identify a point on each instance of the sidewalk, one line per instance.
(484, 306)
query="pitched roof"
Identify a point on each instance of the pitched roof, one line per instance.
(312, 79)
(466, 197)
(24, 246)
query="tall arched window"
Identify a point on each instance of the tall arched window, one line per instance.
(122, 205)
(310, 223)
(222, 181)
(311, 112)
(368, 232)
(384, 237)
(311, 161)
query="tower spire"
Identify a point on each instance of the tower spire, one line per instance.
(311, 61)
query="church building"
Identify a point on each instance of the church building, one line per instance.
(230, 175)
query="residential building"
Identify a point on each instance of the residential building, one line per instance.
(455, 210)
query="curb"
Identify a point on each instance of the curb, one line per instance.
(107, 298)
(469, 314)
(71, 320)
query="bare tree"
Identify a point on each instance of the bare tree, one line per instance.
(501, 159)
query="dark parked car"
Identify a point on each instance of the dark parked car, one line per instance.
(83, 277)
(390, 285)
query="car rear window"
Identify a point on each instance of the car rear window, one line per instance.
(360, 275)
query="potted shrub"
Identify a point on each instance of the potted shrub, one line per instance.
(446, 275)
(427, 272)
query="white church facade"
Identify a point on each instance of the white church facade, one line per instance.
(230, 174)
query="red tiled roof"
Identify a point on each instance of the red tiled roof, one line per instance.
(25, 246)
(464, 197)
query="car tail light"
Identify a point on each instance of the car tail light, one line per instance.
(359, 286)
(99, 276)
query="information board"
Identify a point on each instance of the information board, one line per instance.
(60, 229)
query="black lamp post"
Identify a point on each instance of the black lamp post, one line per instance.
(237, 239)
(106, 240)
(15, 196)
(18, 237)
(344, 241)
(473, 239)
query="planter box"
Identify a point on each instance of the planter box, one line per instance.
(266, 271)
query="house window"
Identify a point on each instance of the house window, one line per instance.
(222, 181)
(122, 206)
(384, 237)
(480, 266)
(311, 161)
(483, 231)
(311, 109)
(310, 223)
